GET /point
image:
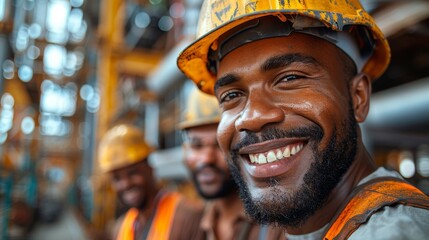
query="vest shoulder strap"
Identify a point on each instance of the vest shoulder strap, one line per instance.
(164, 217)
(126, 231)
(371, 197)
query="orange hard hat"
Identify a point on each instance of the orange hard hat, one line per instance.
(121, 146)
(218, 18)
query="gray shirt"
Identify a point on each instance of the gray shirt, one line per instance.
(398, 222)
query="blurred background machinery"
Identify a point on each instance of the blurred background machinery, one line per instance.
(72, 68)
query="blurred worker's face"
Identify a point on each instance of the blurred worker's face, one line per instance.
(207, 163)
(134, 184)
(288, 124)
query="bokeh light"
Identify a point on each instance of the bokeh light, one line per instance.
(25, 73)
(27, 125)
(165, 23)
(407, 167)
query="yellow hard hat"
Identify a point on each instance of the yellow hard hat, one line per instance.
(201, 109)
(228, 21)
(121, 146)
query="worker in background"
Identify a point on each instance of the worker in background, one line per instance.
(224, 216)
(293, 80)
(154, 213)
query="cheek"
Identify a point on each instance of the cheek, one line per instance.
(225, 131)
(311, 106)
(323, 106)
(116, 186)
(220, 155)
(191, 159)
(332, 108)
(329, 112)
(220, 159)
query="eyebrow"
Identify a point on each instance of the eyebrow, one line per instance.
(270, 64)
(286, 60)
(225, 80)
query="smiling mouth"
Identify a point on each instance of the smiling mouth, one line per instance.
(276, 154)
(131, 191)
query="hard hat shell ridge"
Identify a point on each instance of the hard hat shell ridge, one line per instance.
(121, 146)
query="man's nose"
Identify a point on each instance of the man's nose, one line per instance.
(259, 111)
(123, 183)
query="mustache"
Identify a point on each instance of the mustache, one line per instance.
(313, 132)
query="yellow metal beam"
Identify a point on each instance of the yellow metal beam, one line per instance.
(113, 61)
(138, 63)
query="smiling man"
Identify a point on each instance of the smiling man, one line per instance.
(154, 213)
(293, 80)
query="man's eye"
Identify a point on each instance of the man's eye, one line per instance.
(196, 146)
(290, 78)
(230, 95)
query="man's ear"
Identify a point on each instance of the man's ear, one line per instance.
(360, 91)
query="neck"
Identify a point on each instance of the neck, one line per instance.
(361, 167)
(152, 199)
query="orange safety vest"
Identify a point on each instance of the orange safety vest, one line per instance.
(370, 198)
(161, 223)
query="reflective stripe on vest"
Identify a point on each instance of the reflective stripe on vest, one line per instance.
(161, 223)
(370, 198)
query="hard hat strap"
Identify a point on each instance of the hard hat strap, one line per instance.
(356, 42)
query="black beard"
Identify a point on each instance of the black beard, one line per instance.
(228, 185)
(326, 170)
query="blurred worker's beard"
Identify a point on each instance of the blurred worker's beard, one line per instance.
(328, 166)
(227, 187)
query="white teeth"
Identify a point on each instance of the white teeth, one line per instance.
(286, 152)
(271, 157)
(252, 158)
(275, 155)
(293, 151)
(279, 154)
(262, 159)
